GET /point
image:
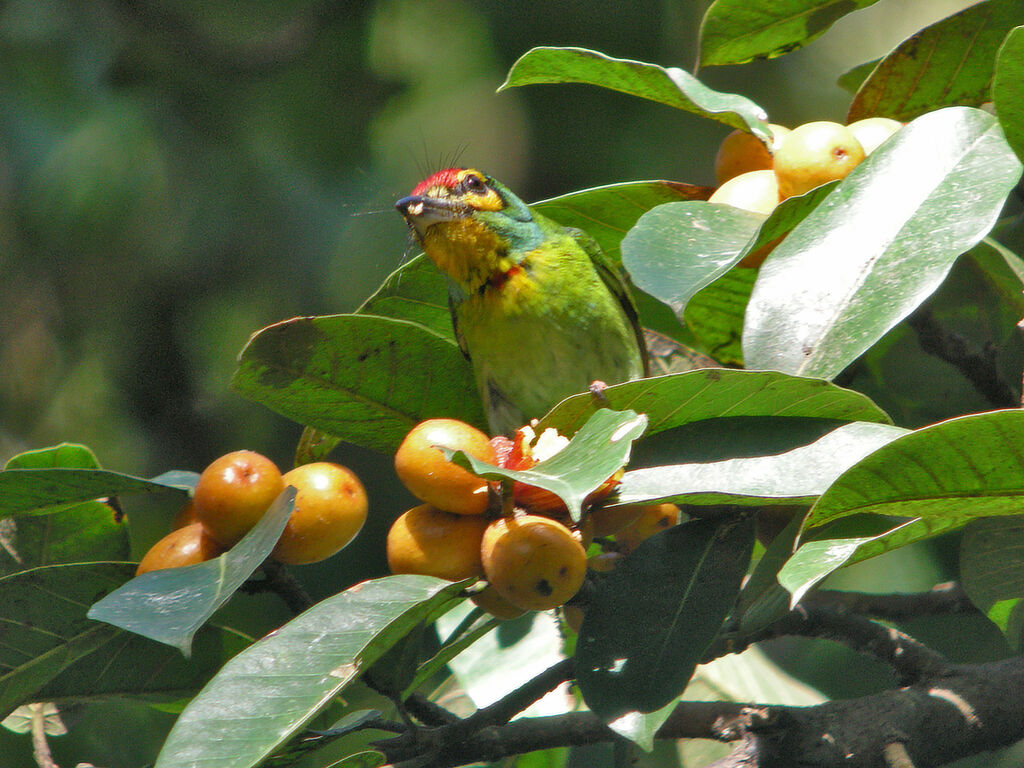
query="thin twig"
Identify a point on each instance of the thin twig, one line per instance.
(40, 747)
(945, 598)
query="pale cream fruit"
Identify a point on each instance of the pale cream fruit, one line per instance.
(754, 191)
(742, 152)
(815, 154)
(872, 131)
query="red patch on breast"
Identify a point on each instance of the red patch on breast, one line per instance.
(449, 177)
(498, 279)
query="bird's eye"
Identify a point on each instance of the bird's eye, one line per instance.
(474, 184)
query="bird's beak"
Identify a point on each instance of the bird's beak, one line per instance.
(422, 211)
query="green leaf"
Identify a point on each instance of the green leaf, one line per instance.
(715, 315)
(88, 531)
(502, 660)
(679, 249)
(451, 648)
(417, 292)
(986, 543)
(170, 605)
(672, 86)
(365, 379)
(599, 449)
(608, 213)
(736, 31)
(639, 646)
(42, 611)
(880, 244)
(763, 600)
(851, 80)
(708, 393)
(1008, 89)
(133, 666)
(45, 491)
(946, 64)
(963, 468)
(238, 719)
(67, 455)
(819, 557)
(796, 476)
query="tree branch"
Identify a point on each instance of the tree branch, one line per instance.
(966, 710)
(977, 366)
(948, 597)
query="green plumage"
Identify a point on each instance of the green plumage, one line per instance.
(537, 307)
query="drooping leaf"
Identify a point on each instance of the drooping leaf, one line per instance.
(763, 600)
(45, 631)
(237, 719)
(365, 379)
(879, 244)
(672, 86)
(417, 292)
(170, 605)
(947, 64)
(639, 646)
(1008, 89)
(736, 31)
(599, 449)
(968, 467)
(823, 554)
(452, 648)
(45, 491)
(708, 393)
(797, 476)
(678, 249)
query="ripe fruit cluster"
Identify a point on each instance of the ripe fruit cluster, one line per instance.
(534, 558)
(234, 492)
(757, 177)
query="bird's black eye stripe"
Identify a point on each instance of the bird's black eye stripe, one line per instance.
(474, 183)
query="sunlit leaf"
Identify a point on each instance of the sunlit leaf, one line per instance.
(797, 476)
(599, 449)
(170, 605)
(818, 557)
(708, 393)
(879, 244)
(417, 292)
(237, 719)
(672, 86)
(963, 468)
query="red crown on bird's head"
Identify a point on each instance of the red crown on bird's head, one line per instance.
(449, 177)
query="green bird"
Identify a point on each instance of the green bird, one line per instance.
(538, 308)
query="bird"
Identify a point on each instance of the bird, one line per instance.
(538, 308)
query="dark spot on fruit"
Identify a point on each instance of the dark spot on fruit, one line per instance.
(563, 571)
(543, 587)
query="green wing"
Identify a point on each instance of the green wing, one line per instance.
(612, 278)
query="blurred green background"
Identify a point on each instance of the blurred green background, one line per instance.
(176, 175)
